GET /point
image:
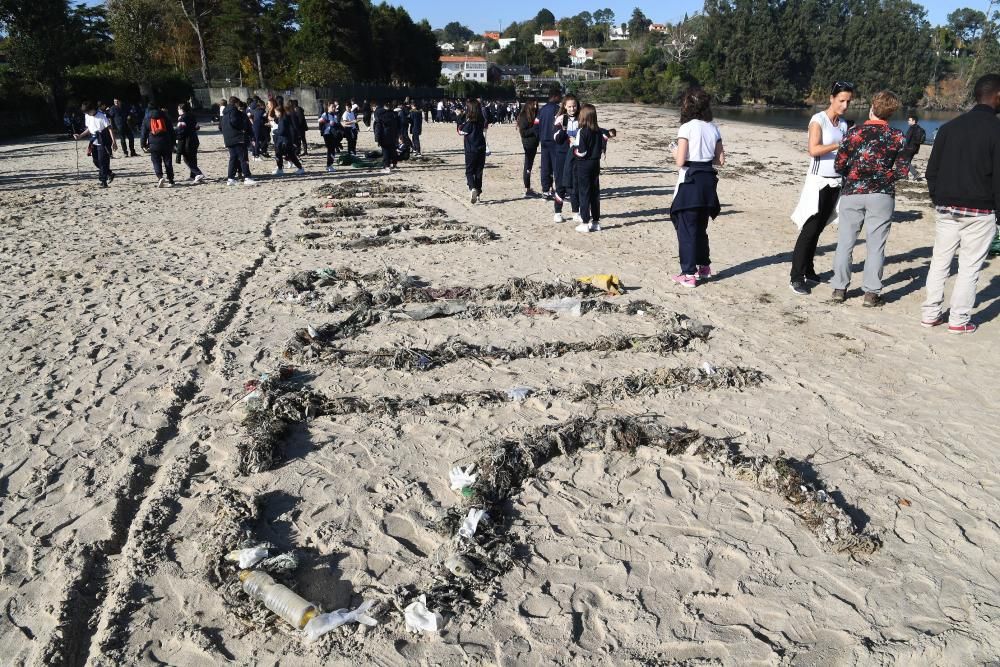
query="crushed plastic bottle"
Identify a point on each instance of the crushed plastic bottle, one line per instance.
(421, 619)
(708, 368)
(567, 305)
(324, 623)
(247, 558)
(460, 566)
(518, 394)
(286, 603)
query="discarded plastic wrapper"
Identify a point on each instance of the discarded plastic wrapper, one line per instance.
(608, 282)
(424, 311)
(471, 522)
(708, 368)
(462, 477)
(421, 619)
(247, 558)
(323, 623)
(518, 394)
(567, 305)
(460, 566)
(312, 331)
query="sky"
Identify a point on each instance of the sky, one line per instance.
(482, 16)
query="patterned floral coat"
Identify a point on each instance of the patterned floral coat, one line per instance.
(867, 159)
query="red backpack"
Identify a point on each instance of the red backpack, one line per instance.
(157, 126)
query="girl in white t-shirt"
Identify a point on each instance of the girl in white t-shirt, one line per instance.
(699, 149)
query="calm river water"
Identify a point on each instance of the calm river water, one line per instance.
(799, 118)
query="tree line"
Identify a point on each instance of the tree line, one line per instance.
(55, 51)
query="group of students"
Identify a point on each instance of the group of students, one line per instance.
(851, 179)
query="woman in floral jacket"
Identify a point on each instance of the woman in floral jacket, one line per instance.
(867, 159)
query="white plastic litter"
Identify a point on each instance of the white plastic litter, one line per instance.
(323, 623)
(822, 496)
(567, 305)
(518, 394)
(421, 619)
(460, 566)
(312, 331)
(247, 558)
(462, 477)
(471, 522)
(708, 368)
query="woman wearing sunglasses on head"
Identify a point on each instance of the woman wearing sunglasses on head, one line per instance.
(818, 202)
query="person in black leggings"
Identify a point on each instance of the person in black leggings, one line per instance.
(527, 123)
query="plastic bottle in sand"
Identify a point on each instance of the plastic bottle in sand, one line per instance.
(280, 599)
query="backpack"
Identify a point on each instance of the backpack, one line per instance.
(157, 126)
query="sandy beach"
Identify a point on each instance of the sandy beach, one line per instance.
(134, 318)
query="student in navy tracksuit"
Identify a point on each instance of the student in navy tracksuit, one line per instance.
(159, 139)
(546, 132)
(587, 169)
(416, 128)
(527, 128)
(565, 136)
(473, 130)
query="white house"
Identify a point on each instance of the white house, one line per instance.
(448, 46)
(578, 55)
(469, 68)
(619, 33)
(506, 41)
(548, 38)
(475, 46)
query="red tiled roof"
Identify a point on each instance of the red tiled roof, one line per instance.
(550, 33)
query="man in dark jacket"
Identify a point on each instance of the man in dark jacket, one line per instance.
(158, 138)
(386, 127)
(233, 124)
(914, 140)
(416, 128)
(546, 135)
(963, 177)
(119, 117)
(298, 118)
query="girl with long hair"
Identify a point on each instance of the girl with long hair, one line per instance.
(473, 130)
(566, 128)
(527, 128)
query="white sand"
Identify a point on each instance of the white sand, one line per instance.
(131, 318)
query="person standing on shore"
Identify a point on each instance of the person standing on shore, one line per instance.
(699, 149)
(963, 178)
(566, 128)
(119, 118)
(233, 125)
(817, 205)
(915, 136)
(416, 128)
(158, 138)
(587, 169)
(284, 140)
(187, 140)
(546, 137)
(473, 131)
(868, 160)
(528, 130)
(102, 141)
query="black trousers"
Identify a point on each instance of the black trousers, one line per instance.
(389, 157)
(352, 140)
(102, 160)
(804, 253)
(415, 139)
(474, 165)
(286, 151)
(530, 151)
(548, 154)
(692, 239)
(190, 156)
(162, 163)
(125, 134)
(238, 157)
(565, 188)
(588, 188)
(331, 148)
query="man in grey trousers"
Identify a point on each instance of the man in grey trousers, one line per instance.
(963, 177)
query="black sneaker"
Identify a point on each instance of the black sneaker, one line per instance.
(111, 176)
(103, 184)
(814, 278)
(839, 296)
(799, 287)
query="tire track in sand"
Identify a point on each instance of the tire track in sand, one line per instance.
(103, 579)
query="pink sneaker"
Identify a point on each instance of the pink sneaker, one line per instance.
(685, 280)
(962, 328)
(704, 272)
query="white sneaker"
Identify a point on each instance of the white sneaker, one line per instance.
(386, 171)
(160, 183)
(199, 178)
(577, 218)
(231, 181)
(300, 171)
(249, 181)
(278, 172)
(329, 169)
(557, 217)
(595, 226)
(583, 228)
(475, 195)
